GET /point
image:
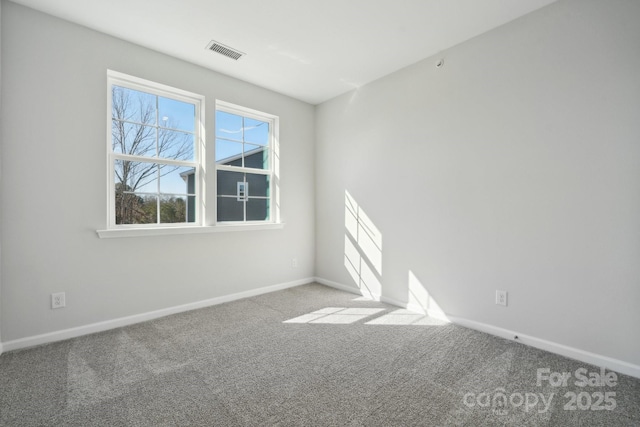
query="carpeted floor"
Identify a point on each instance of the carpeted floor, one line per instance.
(307, 356)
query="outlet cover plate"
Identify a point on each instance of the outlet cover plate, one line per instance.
(501, 297)
(58, 300)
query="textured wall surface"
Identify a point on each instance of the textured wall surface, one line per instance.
(54, 188)
(514, 166)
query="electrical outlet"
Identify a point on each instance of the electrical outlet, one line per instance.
(57, 300)
(294, 263)
(501, 297)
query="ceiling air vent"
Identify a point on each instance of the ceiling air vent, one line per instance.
(214, 46)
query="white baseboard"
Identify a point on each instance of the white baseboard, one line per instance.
(552, 347)
(336, 285)
(417, 308)
(563, 350)
(143, 317)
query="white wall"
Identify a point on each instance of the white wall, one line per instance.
(516, 166)
(0, 176)
(54, 189)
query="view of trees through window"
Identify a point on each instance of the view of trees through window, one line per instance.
(156, 169)
(153, 144)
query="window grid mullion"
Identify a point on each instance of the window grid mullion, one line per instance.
(222, 138)
(131, 122)
(242, 135)
(244, 170)
(157, 165)
(124, 83)
(267, 167)
(162, 161)
(246, 188)
(157, 129)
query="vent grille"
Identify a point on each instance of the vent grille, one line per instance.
(227, 51)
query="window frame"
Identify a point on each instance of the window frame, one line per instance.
(115, 78)
(272, 172)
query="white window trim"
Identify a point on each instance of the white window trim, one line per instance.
(274, 164)
(200, 226)
(147, 86)
(165, 231)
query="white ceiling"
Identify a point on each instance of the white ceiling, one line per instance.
(312, 50)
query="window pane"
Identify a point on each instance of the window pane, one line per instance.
(129, 138)
(228, 126)
(154, 153)
(173, 209)
(176, 114)
(255, 156)
(257, 209)
(245, 144)
(228, 183)
(191, 208)
(256, 131)
(137, 177)
(175, 145)
(133, 106)
(230, 209)
(228, 153)
(132, 208)
(258, 185)
(176, 179)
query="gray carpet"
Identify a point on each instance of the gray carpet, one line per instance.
(307, 356)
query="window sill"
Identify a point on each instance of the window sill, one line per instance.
(165, 231)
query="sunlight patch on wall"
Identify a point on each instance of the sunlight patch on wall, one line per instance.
(364, 232)
(336, 315)
(362, 249)
(362, 275)
(420, 300)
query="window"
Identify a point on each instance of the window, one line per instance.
(154, 154)
(156, 163)
(246, 161)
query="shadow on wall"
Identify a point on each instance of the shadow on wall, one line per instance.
(363, 261)
(419, 299)
(362, 249)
